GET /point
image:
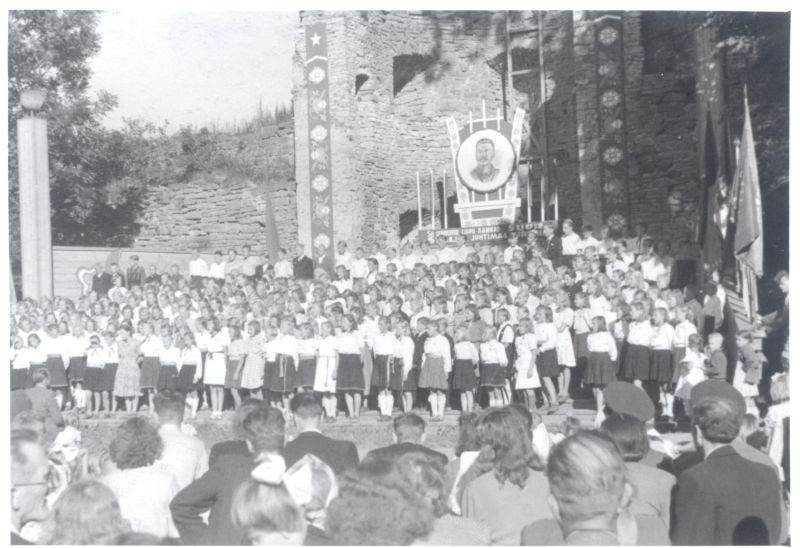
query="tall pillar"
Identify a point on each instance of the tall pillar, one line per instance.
(34, 201)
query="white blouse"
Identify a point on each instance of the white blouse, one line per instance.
(326, 348)
(171, 355)
(77, 346)
(494, 352)
(383, 344)
(662, 336)
(683, 331)
(640, 333)
(583, 321)
(546, 336)
(602, 341)
(404, 348)
(111, 354)
(96, 357)
(349, 343)
(438, 345)
(151, 347)
(466, 350)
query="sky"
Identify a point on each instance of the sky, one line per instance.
(194, 68)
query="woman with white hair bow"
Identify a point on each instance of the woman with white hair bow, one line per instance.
(277, 506)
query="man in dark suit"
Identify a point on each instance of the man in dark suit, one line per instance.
(552, 246)
(30, 475)
(264, 431)
(307, 412)
(302, 265)
(323, 261)
(726, 499)
(101, 280)
(237, 446)
(409, 435)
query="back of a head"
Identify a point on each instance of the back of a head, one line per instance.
(628, 434)
(377, 506)
(30, 422)
(306, 406)
(587, 475)
(718, 419)
(245, 408)
(23, 444)
(266, 509)
(409, 427)
(507, 444)
(467, 433)
(265, 430)
(169, 406)
(87, 513)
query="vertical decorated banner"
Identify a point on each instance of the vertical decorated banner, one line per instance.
(611, 117)
(319, 139)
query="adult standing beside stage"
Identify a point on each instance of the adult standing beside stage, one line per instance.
(343, 256)
(101, 280)
(136, 273)
(198, 269)
(302, 265)
(249, 263)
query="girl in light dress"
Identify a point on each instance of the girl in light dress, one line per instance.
(110, 366)
(693, 370)
(565, 352)
(601, 368)
(215, 367)
(749, 366)
(684, 328)
(325, 375)
(527, 381)
(436, 366)
(233, 364)
(466, 360)
(251, 367)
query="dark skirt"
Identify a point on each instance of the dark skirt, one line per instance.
(306, 372)
(167, 377)
(149, 376)
(231, 365)
(411, 382)
(19, 379)
(185, 379)
(108, 378)
(678, 353)
(464, 377)
(636, 364)
(547, 363)
(283, 384)
(600, 370)
(269, 370)
(58, 374)
(77, 368)
(661, 366)
(380, 372)
(432, 374)
(492, 375)
(93, 379)
(396, 375)
(581, 346)
(349, 375)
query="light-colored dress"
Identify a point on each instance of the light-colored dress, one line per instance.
(214, 372)
(564, 347)
(253, 368)
(144, 495)
(126, 382)
(324, 378)
(526, 357)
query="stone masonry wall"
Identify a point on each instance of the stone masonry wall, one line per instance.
(226, 208)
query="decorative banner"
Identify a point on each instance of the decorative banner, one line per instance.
(319, 140)
(611, 116)
(485, 155)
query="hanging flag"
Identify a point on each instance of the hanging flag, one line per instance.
(709, 234)
(748, 241)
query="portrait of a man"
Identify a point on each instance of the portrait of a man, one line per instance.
(485, 171)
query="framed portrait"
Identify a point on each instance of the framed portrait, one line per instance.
(485, 160)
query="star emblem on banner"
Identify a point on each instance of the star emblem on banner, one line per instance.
(315, 39)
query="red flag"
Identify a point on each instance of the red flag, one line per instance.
(748, 242)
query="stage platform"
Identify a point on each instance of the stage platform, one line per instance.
(368, 433)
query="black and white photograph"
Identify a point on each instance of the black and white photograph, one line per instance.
(394, 277)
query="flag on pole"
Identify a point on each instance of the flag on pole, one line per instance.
(709, 234)
(748, 240)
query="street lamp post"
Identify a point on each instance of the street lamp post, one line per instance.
(34, 198)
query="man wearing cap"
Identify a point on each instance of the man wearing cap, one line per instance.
(624, 398)
(136, 273)
(726, 499)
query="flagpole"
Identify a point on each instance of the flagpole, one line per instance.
(543, 93)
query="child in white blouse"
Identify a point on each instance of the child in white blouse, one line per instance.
(404, 350)
(325, 376)
(602, 367)
(494, 360)
(466, 360)
(383, 349)
(436, 366)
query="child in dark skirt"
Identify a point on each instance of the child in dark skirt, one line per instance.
(233, 364)
(466, 361)
(546, 357)
(494, 361)
(93, 376)
(168, 357)
(190, 372)
(404, 374)
(307, 359)
(601, 367)
(383, 347)
(110, 365)
(19, 364)
(661, 359)
(636, 363)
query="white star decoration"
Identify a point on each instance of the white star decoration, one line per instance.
(315, 39)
